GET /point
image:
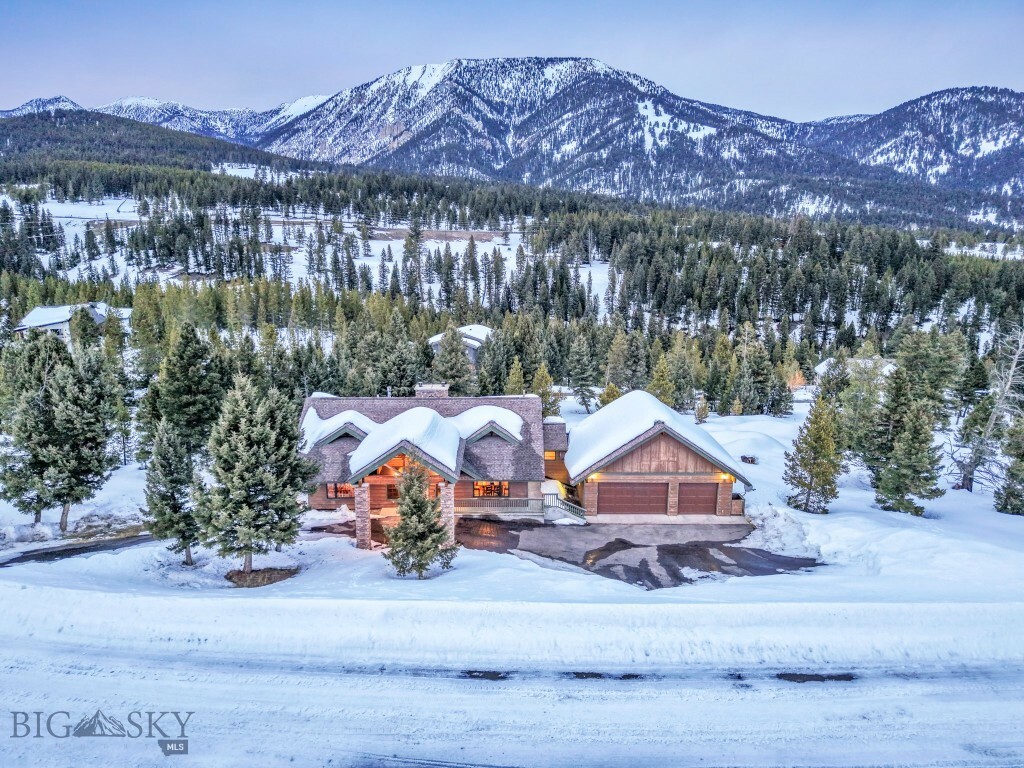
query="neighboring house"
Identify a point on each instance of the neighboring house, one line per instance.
(473, 336)
(888, 366)
(491, 455)
(57, 320)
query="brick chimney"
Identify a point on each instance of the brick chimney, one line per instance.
(432, 390)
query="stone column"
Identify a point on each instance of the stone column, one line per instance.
(362, 493)
(447, 494)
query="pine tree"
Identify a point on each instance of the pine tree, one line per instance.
(515, 383)
(861, 398)
(83, 412)
(736, 409)
(814, 464)
(610, 394)
(257, 474)
(617, 370)
(451, 364)
(189, 391)
(912, 469)
(169, 506)
(420, 539)
(1009, 497)
(84, 331)
(701, 410)
(836, 377)
(543, 387)
(582, 374)
(661, 385)
(888, 422)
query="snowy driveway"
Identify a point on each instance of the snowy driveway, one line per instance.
(649, 556)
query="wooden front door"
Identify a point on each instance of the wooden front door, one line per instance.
(698, 498)
(632, 498)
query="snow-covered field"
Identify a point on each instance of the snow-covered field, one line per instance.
(346, 663)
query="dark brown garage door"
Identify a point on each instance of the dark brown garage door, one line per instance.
(632, 498)
(697, 498)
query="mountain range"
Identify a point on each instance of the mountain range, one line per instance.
(577, 123)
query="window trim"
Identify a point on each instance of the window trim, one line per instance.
(338, 490)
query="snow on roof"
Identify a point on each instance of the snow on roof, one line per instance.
(625, 419)
(315, 429)
(471, 421)
(41, 317)
(887, 365)
(423, 428)
(472, 335)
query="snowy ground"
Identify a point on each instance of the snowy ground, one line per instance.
(344, 662)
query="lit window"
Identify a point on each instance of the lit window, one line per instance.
(340, 491)
(487, 489)
(549, 455)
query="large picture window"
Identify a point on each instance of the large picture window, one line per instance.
(489, 490)
(340, 491)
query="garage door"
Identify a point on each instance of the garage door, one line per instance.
(697, 498)
(632, 498)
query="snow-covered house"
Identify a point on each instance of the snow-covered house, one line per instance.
(636, 456)
(633, 459)
(57, 319)
(888, 366)
(484, 455)
(473, 336)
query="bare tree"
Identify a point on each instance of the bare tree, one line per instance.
(976, 452)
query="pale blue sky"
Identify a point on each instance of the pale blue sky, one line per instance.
(800, 59)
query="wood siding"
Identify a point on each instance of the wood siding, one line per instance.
(661, 455)
(555, 468)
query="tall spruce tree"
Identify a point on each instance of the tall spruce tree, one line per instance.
(543, 387)
(1009, 497)
(420, 539)
(515, 383)
(814, 464)
(582, 373)
(257, 472)
(189, 390)
(169, 505)
(912, 468)
(888, 423)
(451, 364)
(661, 384)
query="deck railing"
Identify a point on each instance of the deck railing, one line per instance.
(557, 502)
(535, 506)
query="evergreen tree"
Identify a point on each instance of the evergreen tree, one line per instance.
(515, 383)
(543, 387)
(701, 410)
(861, 398)
(451, 364)
(169, 506)
(814, 464)
(617, 370)
(582, 374)
(888, 422)
(189, 391)
(661, 384)
(257, 474)
(59, 435)
(912, 469)
(420, 538)
(610, 394)
(1009, 497)
(84, 331)
(836, 377)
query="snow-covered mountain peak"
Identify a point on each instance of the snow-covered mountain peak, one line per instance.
(35, 106)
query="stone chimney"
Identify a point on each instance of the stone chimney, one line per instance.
(432, 390)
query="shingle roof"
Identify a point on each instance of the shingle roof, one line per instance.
(492, 457)
(556, 437)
